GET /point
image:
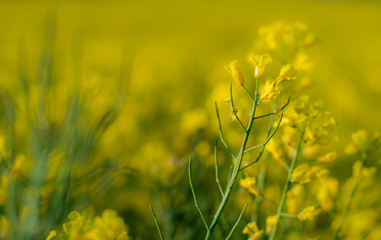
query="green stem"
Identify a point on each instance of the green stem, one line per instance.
(286, 187)
(222, 135)
(234, 109)
(157, 224)
(234, 176)
(236, 223)
(194, 194)
(216, 169)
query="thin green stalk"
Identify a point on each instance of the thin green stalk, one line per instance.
(286, 187)
(157, 224)
(233, 108)
(273, 112)
(222, 135)
(236, 223)
(248, 93)
(216, 169)
(289, 215)
(194, 194)
(271, 134)
(268, 199)
(234, 176)
(285, 164)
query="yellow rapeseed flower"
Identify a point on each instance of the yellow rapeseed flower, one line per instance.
(259, 62)
(250, 184)
(300, 174)
(270, 92)
(327, 158)
(359, 142)
(274, 149)
(235, 72)
(287, 73)
(304, 174)
(309, 213)
(328, 189)
(252, 230)
(361, 172)
(270, 223)
(110, 225)
(295, 198)
(76, 221)
(329, 123)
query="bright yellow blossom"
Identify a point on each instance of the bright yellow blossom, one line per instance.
(287, 73)
(252, 230)
(110, 225)
(327, 158)
(304, 174)
(249, 184)
(300, 174)
(308, 213)
(107, 227)
(361, 172)
(235, 72)
(260, 62)
(359, 142)
(295, 198)
(274, 149)
(270, 223)
(270, 92)
(328, 189)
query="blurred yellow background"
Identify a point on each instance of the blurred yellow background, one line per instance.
(168, 57)
(163, 38)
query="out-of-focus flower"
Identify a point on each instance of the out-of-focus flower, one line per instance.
(329, 123)
(270, 223)
(361, 172)
(287, 73)
(314, 135)
(252, 230)
(250, 184)
(359, 142)
(327, 158)
(295, 198)
(274, 149)
(300, 174)
(304, 174)
(328, 189)
(235, 72)
(259, 62)
(308, 213)
(110, 225)
(301, 62)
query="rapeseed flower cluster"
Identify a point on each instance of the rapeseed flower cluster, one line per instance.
(108, 226)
